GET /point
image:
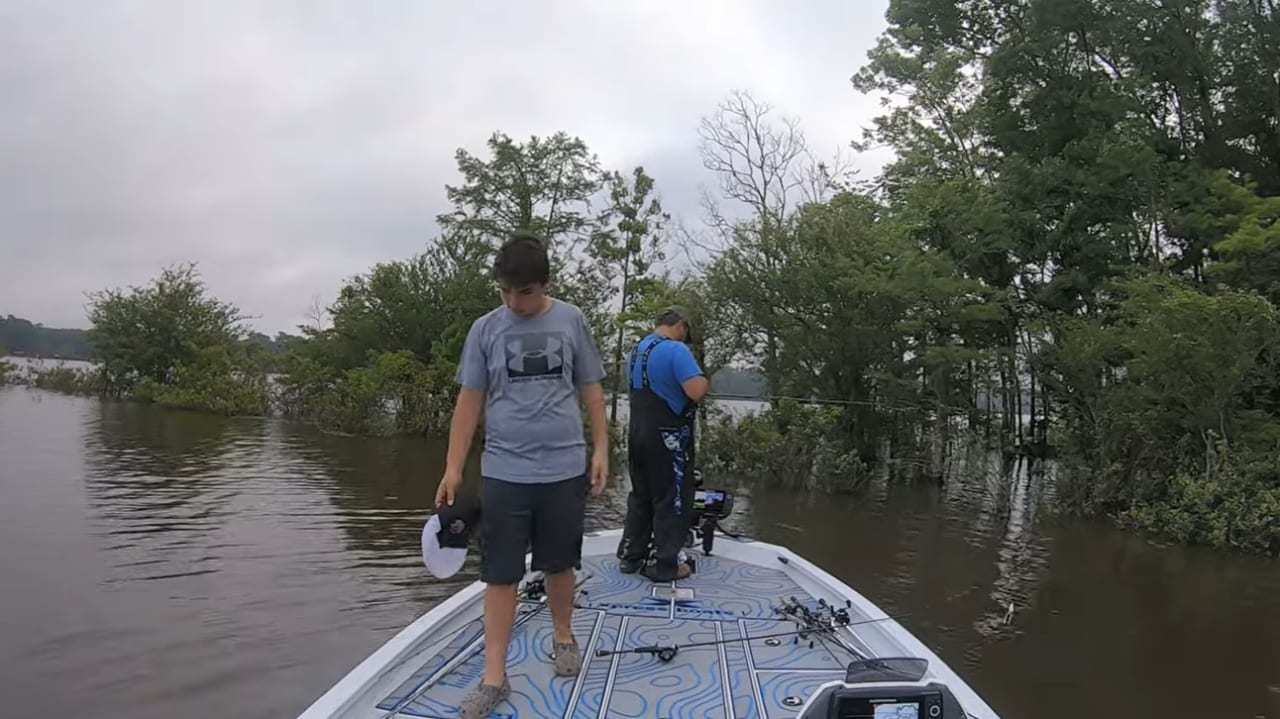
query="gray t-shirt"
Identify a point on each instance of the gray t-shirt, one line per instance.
(530, 371)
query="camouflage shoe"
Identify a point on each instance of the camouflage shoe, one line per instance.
(568, 658)
(482, 700)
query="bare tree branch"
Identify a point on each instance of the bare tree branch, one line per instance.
(755, 159)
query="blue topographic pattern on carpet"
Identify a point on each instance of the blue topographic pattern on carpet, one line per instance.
(730, 599)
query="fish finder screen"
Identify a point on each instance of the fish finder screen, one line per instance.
(865, 709)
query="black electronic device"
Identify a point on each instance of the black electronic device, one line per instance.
(709, 507)
(884, 701)
(885, 688)
(887, 703)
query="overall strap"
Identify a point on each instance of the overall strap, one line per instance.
(644, 361)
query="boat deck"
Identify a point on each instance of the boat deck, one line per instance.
(426, 669)
(725, 599)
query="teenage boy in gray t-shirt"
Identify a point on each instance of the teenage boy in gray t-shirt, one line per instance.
(525, 365)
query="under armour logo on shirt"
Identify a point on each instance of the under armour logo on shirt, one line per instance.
(535, 354)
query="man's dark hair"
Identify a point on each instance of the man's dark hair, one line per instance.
(522, 261)
(672, 316)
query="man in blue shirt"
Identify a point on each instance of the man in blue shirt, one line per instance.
(666, 385)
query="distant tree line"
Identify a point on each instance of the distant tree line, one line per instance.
(23, 337)
(31, 339)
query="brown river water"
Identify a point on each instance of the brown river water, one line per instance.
(156, 563)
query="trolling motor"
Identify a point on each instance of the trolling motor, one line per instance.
(709, 507)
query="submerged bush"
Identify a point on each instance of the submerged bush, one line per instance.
(394, 393)
(217, 380)
(1153, 401)
(68, 380)
(790, 444)
(1236, 507)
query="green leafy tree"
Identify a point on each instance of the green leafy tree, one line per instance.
(417, 305)
(543, 186)
(148, 333)
(1082, 139)
(1250, 255)
(716, 337)
(393, 339)
(861, 315)
(623, 252)
(1172, 382)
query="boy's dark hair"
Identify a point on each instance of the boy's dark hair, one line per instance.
(522, 261)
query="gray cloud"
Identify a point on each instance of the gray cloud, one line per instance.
(284, 147)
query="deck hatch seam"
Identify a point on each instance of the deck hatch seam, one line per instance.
(726, 686)
(613, 668)
(582, 674)
(751, 670)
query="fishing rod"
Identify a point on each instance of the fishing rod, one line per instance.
(874, 404)
(819, 623)
(668, 652)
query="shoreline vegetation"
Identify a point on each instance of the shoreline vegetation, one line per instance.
(1074, 256)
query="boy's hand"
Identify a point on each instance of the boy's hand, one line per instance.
(599, 472)
(448, 488)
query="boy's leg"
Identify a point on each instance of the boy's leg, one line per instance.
(557, 551)
(499, 617)
(560, 596)
(506, 531)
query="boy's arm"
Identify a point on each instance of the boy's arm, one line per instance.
(588, 373)
(462, 429)
(474, 380)
(593, 396)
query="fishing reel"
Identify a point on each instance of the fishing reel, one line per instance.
(825, 616)
(534, 589)
(709, 507)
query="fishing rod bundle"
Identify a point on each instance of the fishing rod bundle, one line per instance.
(822, 622)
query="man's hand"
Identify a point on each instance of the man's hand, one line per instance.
(448, 488)
(599, 472)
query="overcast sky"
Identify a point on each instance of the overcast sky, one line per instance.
(286, 146)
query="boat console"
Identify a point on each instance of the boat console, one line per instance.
(884, 688)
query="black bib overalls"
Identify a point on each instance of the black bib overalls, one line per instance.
(660, 449)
